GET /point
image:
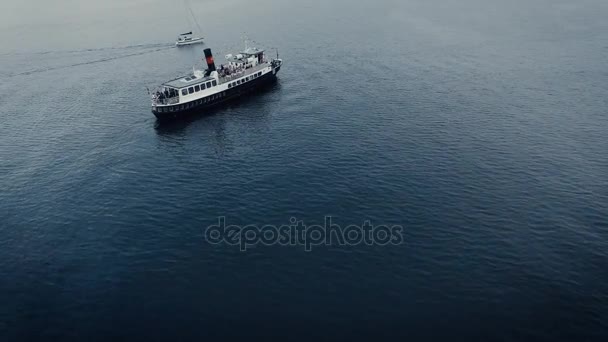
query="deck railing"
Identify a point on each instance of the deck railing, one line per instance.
(166, 101)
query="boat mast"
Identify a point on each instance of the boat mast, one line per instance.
(245, 41)
(189, 8)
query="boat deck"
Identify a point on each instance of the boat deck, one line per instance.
(186, 81)
(242, 73)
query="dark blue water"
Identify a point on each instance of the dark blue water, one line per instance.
(479, 126)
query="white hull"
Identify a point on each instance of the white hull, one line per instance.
(189, 42)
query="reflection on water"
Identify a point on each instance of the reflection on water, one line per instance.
(224, 127)
(177, 126)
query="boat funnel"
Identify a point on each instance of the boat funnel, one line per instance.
(210, 62)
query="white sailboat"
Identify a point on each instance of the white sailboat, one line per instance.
(187, 38)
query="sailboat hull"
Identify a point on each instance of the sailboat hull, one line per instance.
(189, 42)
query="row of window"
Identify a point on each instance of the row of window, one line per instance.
(199, 87)
(243, 80)
(191, 104)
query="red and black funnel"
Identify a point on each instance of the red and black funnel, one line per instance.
(210, 62)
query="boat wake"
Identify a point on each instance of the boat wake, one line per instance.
(108, 48)
(149, 49)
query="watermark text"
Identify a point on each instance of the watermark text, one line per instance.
(297, 233)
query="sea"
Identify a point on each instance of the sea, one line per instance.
(477, 127)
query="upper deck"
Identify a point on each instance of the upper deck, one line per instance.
(187, 81)
(225, 74)
(249, 61)
(241, 72)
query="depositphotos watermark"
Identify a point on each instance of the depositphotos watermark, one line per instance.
(296, 233)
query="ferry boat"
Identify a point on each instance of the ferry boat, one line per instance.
(187, 39)
(203, 89)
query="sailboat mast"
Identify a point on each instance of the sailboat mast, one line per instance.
(191, 13)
